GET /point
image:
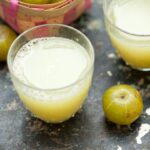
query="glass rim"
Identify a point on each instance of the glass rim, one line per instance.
(80, 78)
(115, 26)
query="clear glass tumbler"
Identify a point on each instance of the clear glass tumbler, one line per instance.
(129, 34)
(59, 104)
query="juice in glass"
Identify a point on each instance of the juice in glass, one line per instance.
(52, 74)
(128, 25)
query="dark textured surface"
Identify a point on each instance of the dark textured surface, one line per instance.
(88, 130)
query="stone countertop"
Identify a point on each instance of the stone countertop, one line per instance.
(88, 130)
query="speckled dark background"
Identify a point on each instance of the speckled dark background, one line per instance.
(88, 130)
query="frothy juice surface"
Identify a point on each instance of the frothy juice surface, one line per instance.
(50, 66)
(131, 16)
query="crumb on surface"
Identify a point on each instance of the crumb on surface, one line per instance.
(11, 106)
(143, 130)
(111, 56)
(109, 73)
(147, 111)
(119, 147)
(95, 24)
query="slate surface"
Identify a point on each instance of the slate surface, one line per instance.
(88, 130)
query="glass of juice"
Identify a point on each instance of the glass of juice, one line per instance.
(51, 67)
(128, 26)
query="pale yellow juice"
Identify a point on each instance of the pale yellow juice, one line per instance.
(131, 37)
(53, 74)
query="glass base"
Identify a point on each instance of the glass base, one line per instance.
(143, 69)
(139, 69)
(131, 66)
